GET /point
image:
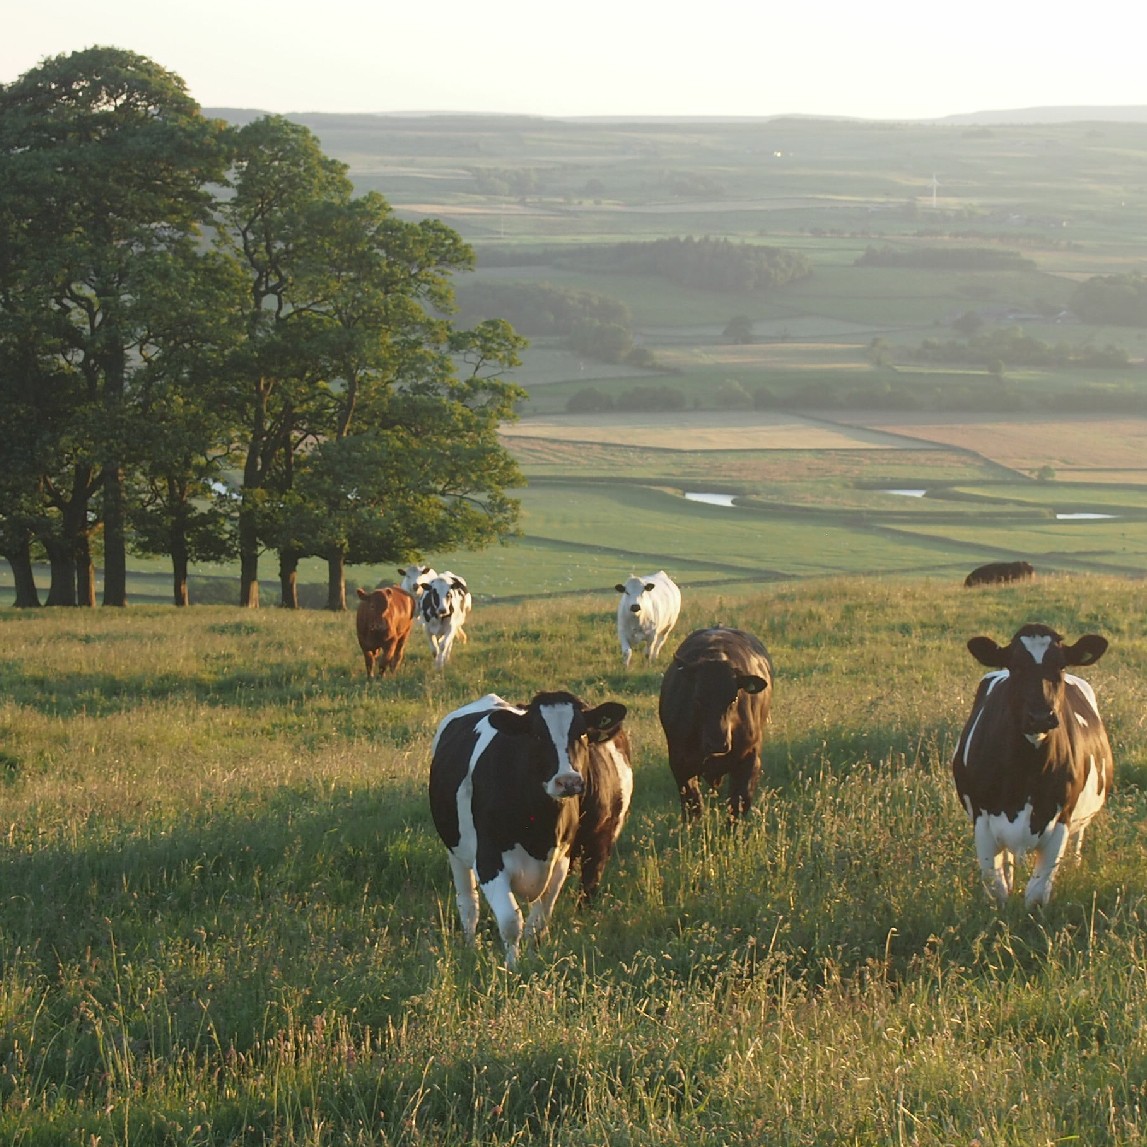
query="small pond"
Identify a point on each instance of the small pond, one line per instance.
(712, 499)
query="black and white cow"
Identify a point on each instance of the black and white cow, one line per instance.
(444, 603)
(518, 794)
(1033, 764)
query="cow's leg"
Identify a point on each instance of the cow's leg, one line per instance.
(996, 864)
(466, 892)
(368, 657)
(690, 793)
(626, 653)
(593, 855)
(1077, 844)
(656, 644)
(544, 905)
(500, 896)
(742, 784)
(444, 644)
(1049, 852)
(399, 651)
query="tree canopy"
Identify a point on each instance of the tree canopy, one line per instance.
(210, 347)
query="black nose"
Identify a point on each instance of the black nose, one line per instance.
(1041, 722)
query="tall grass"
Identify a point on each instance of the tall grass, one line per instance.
(226, 917)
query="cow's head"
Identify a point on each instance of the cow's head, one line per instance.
(1035, 661)
(632, 589)
(560, 728)
(716, 687)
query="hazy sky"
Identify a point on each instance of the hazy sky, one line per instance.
(886, 59)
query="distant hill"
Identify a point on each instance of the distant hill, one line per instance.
(1135, 114)
(1130, 114)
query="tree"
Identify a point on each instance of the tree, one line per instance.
(181, 504)
(281, 179)
(104, 158)
(739, 329)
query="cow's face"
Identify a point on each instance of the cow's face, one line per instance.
(716, 687)
(1036, 660)
(560, 729)
(631, 591)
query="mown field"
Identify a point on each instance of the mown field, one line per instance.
(226, 918)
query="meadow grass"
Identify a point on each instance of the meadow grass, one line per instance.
(227, 920)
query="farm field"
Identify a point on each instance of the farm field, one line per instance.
(227, 919)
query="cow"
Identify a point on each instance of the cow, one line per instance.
(1033, 764)
(518, 794)
(646, 614)
(998, 573)
(444, 603)
(715, 701)
(412, 574)
(383, 623)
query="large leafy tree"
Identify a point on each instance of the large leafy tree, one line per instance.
(281, 182)
(105, 164)
(404, 394)
(181, 501)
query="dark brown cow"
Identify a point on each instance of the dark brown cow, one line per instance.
(715, 701)
(1033, 764)
(383, 622)
(997, 573)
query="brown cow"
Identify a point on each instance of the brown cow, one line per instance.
(998, 573)
(383, 622)
(714, 705)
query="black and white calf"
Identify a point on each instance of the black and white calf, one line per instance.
(1033, 764)
(518, 794)
(444, 603)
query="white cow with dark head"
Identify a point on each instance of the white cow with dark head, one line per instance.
(444, 603)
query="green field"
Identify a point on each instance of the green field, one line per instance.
(227, 920)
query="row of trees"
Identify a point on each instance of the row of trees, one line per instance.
(709, 264)
(1117, 299)
(211, 348)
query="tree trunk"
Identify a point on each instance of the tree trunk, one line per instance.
(289, 578)
(248, 573)
(179, 571)
(115, 540)
(336, 581)
(62, 561)
(20, 559)
(85, 571)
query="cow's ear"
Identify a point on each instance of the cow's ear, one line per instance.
(425, 570)
(401, 572)
(751, 683)
(650, 586)
(1086, 651)
(361, 592)
(988, 652)
(604, 721)
(508, 722)
(619, 587)
(457, 582)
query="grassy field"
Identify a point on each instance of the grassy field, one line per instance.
(226, 918)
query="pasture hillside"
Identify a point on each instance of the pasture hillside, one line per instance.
(226, 918)
(957, 237)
